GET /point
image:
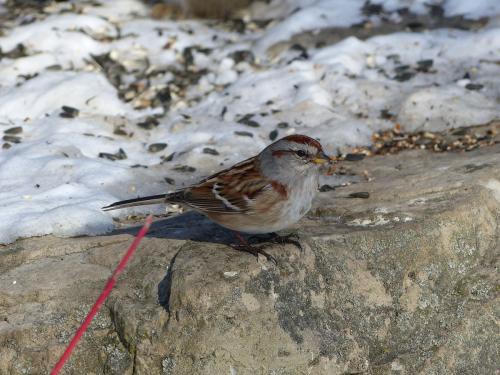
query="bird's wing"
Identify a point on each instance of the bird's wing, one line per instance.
(232, 190)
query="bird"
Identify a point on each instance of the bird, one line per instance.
(263, 194)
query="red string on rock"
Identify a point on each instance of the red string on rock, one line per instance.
(105, 293)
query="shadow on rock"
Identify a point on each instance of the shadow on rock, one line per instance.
(191, 226)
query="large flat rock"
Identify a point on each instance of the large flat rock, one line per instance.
(403, 282)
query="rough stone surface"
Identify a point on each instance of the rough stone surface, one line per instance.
(404, 282)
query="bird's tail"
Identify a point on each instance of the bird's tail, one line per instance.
(152, 199)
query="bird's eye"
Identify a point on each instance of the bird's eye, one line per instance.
(301, 153)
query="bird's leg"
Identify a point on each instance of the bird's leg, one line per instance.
(254, 250)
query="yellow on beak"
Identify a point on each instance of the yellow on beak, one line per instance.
(322, 159)
(319, 161)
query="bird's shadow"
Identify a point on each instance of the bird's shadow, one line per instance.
(188, 226)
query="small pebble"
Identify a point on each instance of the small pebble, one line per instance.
(6, 146)
(155, 147)
(14, 130)
(283, 125)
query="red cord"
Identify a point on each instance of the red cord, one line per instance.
(105, 293)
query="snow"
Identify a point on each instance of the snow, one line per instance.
(47, 93)
(472, 9)
(54, 181)
(320, 14)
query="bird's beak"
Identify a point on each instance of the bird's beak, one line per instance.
(322, 158)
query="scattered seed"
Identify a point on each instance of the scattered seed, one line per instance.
(155, 147)
(401, 68)
(120, 131)
(238, 25)
(149, 123)
(354, 157)
(11, 139)
(14, 130)
(69, 112)
(283, 125)
(247, 120)
(371, 9)
(303, 51)
(223, 112)
(138, 166)
(167, 158)
(244, 134)
(6, 146)
(37, 186)
(184, 168)
(360, 194)
(325, 188)
(187, 55)
(273, 135)
(243, 55)
(460, 131)
(18, 51)
(120, 155)
(164, 95)
(415, 26)
(169, 180)
(474, 86)
(465, 139)
(210, 151)
(55, 67)
(386, 115)
(27, 77)
(405, 76)
(424, 65)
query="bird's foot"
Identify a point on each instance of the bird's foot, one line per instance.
(291, 238)
(254, 250)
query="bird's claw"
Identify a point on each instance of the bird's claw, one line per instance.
(291, 238)
(255, 250)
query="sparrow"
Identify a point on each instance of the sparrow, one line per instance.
(263, 194)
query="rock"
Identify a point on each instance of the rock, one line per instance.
(401, 282)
